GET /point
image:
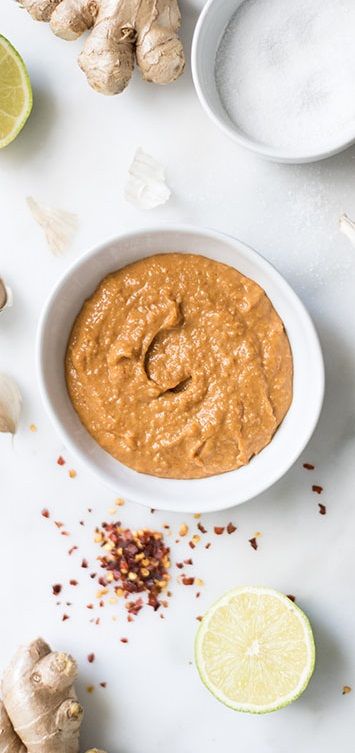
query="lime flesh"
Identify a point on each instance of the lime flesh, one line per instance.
(15, 92)
(255, 650)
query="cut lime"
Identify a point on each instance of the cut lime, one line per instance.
(15, 92)
(255, 650)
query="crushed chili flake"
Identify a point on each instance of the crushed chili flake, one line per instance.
(346, 689)
(91, 658)
(199, 618)
(135, 561)
(89, 509)
(317, 489)
(65, 617)
(81, 523)
(218, 530)
(45, 513)
(253, 542)
(84, 563)
(152, 510)
(60, 460)
(231, 528)
(188, 581)
(207, 546)
(64, 533)
(119, 502)
(198, 594)
(73, 582)
(201, 528)
(58, 523)
(90, 688)
(92, 575)
(322, 509)
(72, 549)
(72, 473)
(180, 565)
(183, 530)
(188, 562)
(56, 589)
(192, 545)
(89, 606)
(124, 640)
(103, 684)
(309, 466)
(291, 597)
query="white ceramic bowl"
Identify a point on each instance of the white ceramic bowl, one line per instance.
(209, 30)
(201, 495)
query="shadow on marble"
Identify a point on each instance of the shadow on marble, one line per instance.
(37, 130)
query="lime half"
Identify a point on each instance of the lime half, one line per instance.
(15, 92)
(255, 650)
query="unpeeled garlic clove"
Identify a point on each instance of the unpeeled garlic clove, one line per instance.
(6, 297)
(146, 187)
(10, 405)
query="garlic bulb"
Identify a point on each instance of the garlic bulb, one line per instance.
(10, 405)
(6, 297)
(59, 226)
(347, 226)
(146, 187)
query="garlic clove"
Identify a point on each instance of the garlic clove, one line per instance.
(59, 226)
(146, 186)
(347, 226)
(6, 297)
(10, 405)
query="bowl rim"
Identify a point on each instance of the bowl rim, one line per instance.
(140, 496)
(268, 152)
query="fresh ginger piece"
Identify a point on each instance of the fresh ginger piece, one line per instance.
(121, 31)
(9, 741)
(40, 699)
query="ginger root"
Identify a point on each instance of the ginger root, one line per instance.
(121, 31)
(9, 741)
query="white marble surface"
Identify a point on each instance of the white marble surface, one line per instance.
(74, 153)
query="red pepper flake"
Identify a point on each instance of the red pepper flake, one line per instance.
(135, 561)
(231, 528)
(89, 606)
(291, 597)
(73, 582)
(90, 688)
(192, 545)
(201, 528)
(346, 689)
(218, 530)
(103, 684)
(92, 575)
(317, 489)
(198, 594)
(72, 549)
(56, 589)
(188, 562)
(91, 658)
(72, 473)
(162, 616)
(199, 618)
(89, 509)
(188, 581)
(253, 542)
(60, 460)
(58, 523)
(124, 640)
(180, 565)
(65, 617)
(309, 466)
(45, 513)
(81, 523)
(64, 533)
(322, 509)
(97, 621)
(84, 563)
(207, 546)
(152, 510)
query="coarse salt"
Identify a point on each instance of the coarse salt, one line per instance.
(285, 72)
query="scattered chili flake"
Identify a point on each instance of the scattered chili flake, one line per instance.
(207, 546)
(198, 594)
(58, 523)
(60, 460)
(188, 562)
(64, 533)
(291, 597)
(73, 582)
(199, 618)
(309, 466)
(152, 510)
(192, 545)
(346, 689)
(33, 427)
(199, 582)
(72, 549)
(89, 509)
(322, 509)
(89, 606)
(219, 530)
(119, 502)
(90, 688)
(135, 561)
(162, 616)
(197, 515)
(253, 542)
(81, 523)
(231, 528)
(72, 473)
(84, 563)
(124, 640)
(65, 617)
(45, 513)
(201, 528)
(91, 658)
(196, 539)
(103, 684)
(180, 565)
(56, 589)
(317, 489)
(183, 530)
(92, 575)
(188, 581)
(166, 526)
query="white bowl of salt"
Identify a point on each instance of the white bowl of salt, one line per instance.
(278, 76)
